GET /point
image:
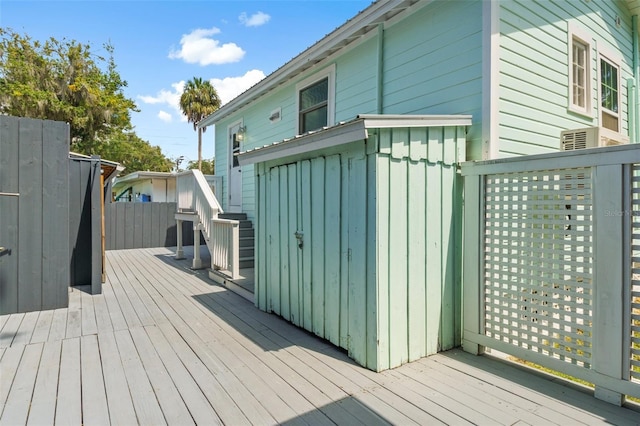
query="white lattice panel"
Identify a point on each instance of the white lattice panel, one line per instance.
(538, 262)
(635, 281)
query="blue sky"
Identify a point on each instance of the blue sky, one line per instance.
(161, 44)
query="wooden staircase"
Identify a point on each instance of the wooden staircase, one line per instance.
(247, 237)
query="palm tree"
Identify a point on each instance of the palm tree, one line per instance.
(198, 100)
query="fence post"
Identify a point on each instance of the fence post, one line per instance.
(608, 326)
(472, 266)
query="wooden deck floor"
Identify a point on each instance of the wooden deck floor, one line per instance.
(163, 344)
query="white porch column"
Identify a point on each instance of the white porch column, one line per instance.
(197, 262)
(179, 249)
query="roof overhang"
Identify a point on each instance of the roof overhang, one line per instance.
(108, 168)
(362, 24)
(346, 132)
(132, 177)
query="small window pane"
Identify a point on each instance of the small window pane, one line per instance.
(609, 86)
(314, 94)
(579, 74)
(314, 120)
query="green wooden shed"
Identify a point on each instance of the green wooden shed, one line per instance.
(359, 234)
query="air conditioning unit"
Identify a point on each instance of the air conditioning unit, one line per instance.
(590, 137)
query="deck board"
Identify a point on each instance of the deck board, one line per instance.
(164, 345)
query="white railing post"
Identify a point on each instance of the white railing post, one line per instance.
(472, 261)
(234, 251)
(179, 249)
(609, 255)
(197, 261)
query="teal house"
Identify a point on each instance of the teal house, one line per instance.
(346, 157)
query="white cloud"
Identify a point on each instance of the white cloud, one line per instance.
(230, 87)
(198, 47)
(255, 20)
(227, 88)
(165, 116)
(170, 98)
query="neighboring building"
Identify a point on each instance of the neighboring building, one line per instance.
(157, 187)
(361, 101)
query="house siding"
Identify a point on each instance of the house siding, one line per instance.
(429, 67)
(534, 67)
(432, 66)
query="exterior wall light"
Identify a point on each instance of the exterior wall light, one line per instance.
(240, 134)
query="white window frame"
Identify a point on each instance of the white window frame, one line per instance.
(576, 34)
(330, 74)
(607, 55)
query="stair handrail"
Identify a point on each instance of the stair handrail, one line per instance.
(194, 194)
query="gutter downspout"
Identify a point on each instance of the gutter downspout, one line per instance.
(380, 103)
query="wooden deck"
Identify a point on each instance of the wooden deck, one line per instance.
(164, 345)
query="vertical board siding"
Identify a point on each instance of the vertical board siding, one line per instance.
(417, 235)
(144, 225)
(31, 215)
(34, 225)
(9, 152)
(377, 273)
(534, 67)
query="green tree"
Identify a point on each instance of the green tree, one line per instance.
(199, 100)
(133, 152)
(63, 80)
(208, 167)
(66, 81)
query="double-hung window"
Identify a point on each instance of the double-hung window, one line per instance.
(579, 72)
(315, 101)
(609, 94)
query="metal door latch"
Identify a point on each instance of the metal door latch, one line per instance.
(299, 235)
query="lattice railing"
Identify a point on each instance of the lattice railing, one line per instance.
(538, 262)
(634, 363)
(552, 263)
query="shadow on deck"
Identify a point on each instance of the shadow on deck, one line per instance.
(165, 345)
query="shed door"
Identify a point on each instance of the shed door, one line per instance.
(284, 252)
(320, 285)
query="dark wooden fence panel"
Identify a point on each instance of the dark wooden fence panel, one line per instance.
(85, 191)
(34, 224)
(144, 225)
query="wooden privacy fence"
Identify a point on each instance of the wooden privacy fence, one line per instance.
(552, 263)
(34, 221)
(143, 225)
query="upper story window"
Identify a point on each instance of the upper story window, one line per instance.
(315, 101)
(313, 106)
(579, 72)
(609, 94)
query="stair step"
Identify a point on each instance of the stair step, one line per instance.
(247, 233)
(246, 242)
(245, 224)
(246, 252)
(233, 216)
(246, 262)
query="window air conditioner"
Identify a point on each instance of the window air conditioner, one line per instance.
(590, 137)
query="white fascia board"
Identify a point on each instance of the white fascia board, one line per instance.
(386, 121)
(338, 135)
(335, 40)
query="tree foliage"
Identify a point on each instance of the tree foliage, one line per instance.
(198, 100)
(208, 166)
(65, 80)
(133, 152)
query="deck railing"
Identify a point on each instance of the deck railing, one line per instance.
(195, 194)
(225, 254)
(552, 263)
